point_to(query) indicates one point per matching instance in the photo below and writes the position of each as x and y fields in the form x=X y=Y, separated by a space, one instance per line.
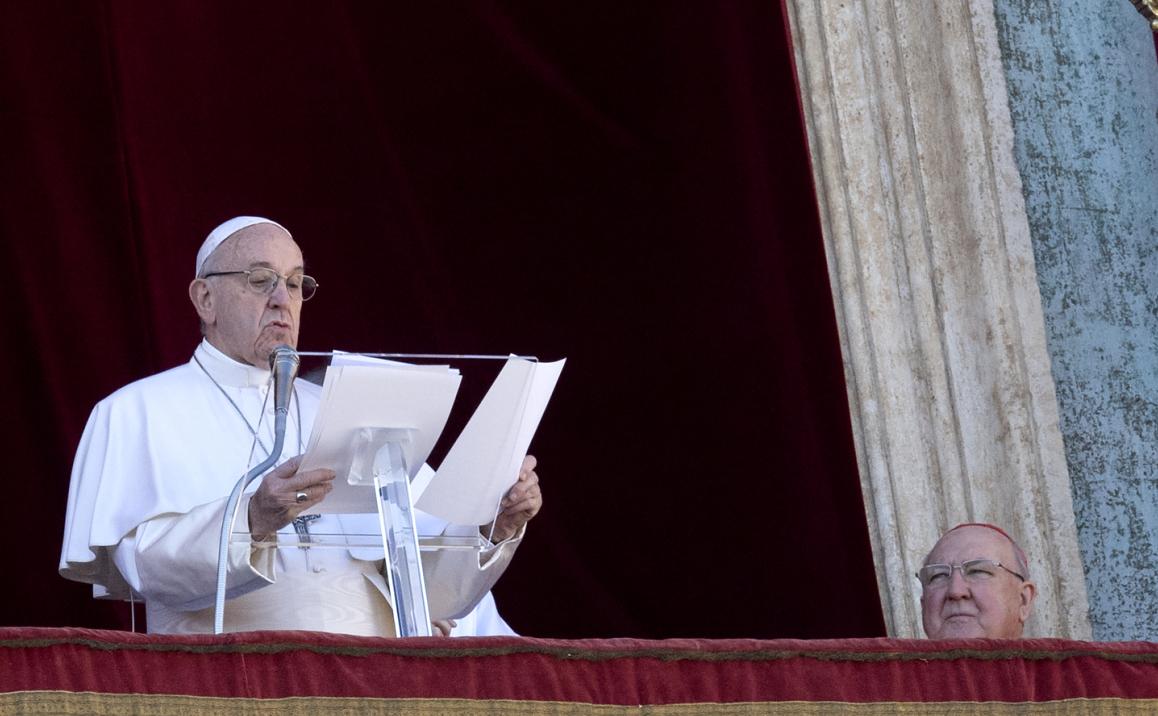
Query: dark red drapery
x=623 y=184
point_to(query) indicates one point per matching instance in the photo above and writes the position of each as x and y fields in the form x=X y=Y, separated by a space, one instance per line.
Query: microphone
x=284 y=362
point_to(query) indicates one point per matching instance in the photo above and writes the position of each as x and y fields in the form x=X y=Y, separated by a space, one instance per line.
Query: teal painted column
x=1083 y=92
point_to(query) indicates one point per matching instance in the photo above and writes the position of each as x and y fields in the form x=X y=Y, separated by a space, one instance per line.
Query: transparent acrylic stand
x=379 y=461
x=390 y=479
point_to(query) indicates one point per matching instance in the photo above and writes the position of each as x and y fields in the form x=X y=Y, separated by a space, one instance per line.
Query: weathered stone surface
x=1083 y=94
x=932 y=269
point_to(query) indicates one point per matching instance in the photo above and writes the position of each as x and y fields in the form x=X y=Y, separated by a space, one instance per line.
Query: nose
x=958 y=588
x=280 y=295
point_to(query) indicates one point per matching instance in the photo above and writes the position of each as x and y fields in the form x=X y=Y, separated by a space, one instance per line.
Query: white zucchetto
x=223 y=232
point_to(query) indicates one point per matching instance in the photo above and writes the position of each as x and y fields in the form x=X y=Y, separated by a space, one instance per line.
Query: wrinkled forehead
x=967 y=543
x=258 y=245
x=223 y=231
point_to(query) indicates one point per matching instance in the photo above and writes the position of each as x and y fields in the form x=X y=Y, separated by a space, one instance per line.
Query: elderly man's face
x=239 y=321
x=994 y=608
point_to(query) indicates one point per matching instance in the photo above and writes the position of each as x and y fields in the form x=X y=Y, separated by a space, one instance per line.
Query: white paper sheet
x=484 y=462
x=364 y=395
x=344 y=358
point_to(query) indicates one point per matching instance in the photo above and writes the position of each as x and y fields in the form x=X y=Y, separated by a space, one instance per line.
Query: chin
x=272 y=339
x=964 y=630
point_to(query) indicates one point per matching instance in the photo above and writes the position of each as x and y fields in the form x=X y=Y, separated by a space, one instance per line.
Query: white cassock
x=155 y=465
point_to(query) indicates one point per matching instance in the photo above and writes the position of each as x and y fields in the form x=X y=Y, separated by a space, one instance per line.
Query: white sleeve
x=458 y=580
x=172 y=559
x=484 y=620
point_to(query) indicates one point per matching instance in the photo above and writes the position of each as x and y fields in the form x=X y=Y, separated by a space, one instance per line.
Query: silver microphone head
x=283 y=362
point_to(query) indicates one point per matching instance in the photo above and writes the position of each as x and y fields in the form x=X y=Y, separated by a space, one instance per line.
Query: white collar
x=227 y=371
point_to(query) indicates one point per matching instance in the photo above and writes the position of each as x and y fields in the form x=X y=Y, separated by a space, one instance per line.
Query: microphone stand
x=282 y=389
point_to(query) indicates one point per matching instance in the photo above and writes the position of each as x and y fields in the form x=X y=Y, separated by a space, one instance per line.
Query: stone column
x=932 y=269
x=1083 y=93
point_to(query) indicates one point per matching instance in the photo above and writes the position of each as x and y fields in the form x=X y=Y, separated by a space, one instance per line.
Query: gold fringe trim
x=66 y=703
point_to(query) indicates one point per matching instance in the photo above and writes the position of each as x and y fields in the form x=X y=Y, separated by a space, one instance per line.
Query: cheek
x=238 y=326
x=296 y=322
x=994 y=606
x=930 y=607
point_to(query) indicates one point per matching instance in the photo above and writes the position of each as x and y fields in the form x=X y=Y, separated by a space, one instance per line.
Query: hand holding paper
x=521 y=504
x=485 y=461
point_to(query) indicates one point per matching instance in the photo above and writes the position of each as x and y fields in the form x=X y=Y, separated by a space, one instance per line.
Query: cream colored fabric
x=953 y=407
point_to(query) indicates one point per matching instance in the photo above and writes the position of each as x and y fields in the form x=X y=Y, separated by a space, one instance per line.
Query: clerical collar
x=226 y=371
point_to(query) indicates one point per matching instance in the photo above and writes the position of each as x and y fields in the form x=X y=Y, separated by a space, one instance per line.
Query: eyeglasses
x=265 y=281
x=975 y=571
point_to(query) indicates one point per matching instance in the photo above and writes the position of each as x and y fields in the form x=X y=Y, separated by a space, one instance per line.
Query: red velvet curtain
x=623 y=184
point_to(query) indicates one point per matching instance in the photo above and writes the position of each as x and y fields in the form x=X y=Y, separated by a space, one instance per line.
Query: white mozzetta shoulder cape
x=164 y=445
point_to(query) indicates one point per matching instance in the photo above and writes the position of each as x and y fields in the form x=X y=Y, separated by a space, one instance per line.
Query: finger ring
x=301 y=497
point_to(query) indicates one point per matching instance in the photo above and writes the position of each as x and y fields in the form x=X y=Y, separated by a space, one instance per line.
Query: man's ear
x=1028 y=593
x=202 y=299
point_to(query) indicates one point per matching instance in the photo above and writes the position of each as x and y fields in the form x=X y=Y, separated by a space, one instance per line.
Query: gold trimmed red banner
x=86 y=671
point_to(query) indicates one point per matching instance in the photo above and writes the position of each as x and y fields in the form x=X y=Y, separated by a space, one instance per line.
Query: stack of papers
x=483 y=463
x=358 y=394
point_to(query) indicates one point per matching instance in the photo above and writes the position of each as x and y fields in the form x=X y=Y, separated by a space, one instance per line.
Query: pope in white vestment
x=152 y=473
